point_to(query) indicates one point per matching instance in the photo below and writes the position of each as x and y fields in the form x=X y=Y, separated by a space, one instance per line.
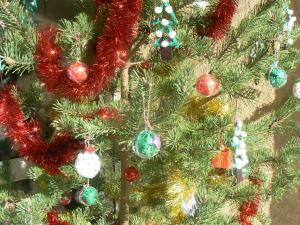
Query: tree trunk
x=125 y=158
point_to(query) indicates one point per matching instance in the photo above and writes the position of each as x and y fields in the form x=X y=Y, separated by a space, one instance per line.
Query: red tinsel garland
x=27 y=136
x=112 y=53
x=250 y=208
x=219 y=20
x=53 y=219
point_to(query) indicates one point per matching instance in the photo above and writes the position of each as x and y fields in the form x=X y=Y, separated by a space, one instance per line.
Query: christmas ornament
x=218 y=21
x=109 y=114
x=207 y=85
x=147 y=144
x=296 y=88
x=78 y=72
x=240 y=159
x=250 y=208
x=223 y=159
x=288 y=26
x=146 y=65
x=51 y=71
x=31 y=6
x=132 y=174
x=277 y=76
x=181 y=198
x=88 y=163
x=27 y=135
x=165 y=24
x=87 y=196
x=66 y=198
x=53 y=219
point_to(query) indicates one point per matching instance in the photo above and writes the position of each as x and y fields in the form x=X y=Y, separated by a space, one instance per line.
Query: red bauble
x=132 y=174
x=207 y=85
x=66 y=198
x=78 y=72
x=146 y=65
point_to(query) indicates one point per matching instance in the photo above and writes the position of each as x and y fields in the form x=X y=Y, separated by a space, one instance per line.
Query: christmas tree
x=134 y=112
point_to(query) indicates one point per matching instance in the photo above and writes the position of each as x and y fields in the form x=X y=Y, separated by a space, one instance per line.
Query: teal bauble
x=147 y=144
x=277 y=77
x=87 y=196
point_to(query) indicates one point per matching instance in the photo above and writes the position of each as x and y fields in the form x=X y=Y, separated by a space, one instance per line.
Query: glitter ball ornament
x=87 y=196
x=88 y=164
x=132 y=173
x=78 y=72
x=296 y=88
x=147 y=144
x=66 y=198
x=207 y=85
x=277 y=77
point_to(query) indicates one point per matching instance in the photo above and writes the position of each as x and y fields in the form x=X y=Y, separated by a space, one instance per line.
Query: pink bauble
x=207 y=85
x=78 y=72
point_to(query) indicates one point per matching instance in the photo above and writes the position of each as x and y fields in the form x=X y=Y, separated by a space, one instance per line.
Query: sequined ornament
x=147 y=144
x=88 y=163
x=66 y=198
x=207 y=85
x=223 y=159
x=277 y=77
x=131 y=173
x=296 y=88
x=78 y=72
x=87 y=196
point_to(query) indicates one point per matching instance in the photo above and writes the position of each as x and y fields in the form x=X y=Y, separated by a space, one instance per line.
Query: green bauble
x=147 y=144
x=277 y=77
x=89 y=195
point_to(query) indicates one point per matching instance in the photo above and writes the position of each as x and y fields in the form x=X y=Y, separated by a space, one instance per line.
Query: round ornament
x=87 y=195
x=66 y=198
x=146 y=65
x=277 y=77
x=132 y=174
x=147 y=144
x=296 y=88
x=88 y=164
x=207 y=85
x=78 y=72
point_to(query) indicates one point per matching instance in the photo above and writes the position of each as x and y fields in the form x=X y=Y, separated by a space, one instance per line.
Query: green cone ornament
x=147 y=144
x=277 y=76
x=87 y=196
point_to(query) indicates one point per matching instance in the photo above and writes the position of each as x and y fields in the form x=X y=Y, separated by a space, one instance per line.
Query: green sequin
x=145 y=145
x=89 y=195
x=277 y=77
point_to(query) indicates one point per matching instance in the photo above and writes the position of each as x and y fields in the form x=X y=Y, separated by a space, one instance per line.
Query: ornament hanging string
x=146 y=105
x=112 y=53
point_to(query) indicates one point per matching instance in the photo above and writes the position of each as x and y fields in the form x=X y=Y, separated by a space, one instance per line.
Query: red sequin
x=112 y=53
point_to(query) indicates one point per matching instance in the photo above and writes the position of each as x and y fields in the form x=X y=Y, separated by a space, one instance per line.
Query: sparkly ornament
x=207 y=85
x=296 y=88
x=66 y=198
x=31 y=6
x=88 y=164
x=132 y=173
x=87 y=196
x=223 y=159
x=146 y=65
x=277 y=77
x=147 y=144
x=78 y=72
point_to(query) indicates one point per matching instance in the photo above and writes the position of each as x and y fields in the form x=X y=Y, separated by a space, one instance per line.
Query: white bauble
x=88 y=164
x=296 y=89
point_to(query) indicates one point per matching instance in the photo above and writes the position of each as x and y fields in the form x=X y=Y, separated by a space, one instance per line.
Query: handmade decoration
x=240 y=159
x=218 y=22
x=112 y=53
x=27 y=135
x=223 y=159
x=296 y=88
